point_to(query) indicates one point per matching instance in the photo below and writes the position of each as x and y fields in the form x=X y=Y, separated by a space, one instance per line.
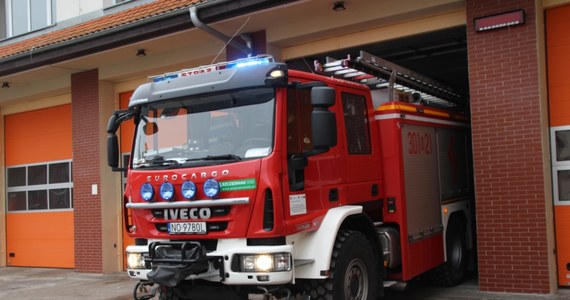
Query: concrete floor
x=43 y=283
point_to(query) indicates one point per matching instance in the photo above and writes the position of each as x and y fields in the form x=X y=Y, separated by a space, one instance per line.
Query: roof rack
x=379 y=73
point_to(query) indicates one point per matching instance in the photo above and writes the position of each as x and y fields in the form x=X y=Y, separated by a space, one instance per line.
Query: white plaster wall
x=67 y=9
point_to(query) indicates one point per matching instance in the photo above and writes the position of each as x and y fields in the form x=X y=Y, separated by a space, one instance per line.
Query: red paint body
x=351 y=175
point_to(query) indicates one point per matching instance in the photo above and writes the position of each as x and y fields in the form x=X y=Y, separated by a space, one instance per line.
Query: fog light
x=135 y=260
x=275 y=262
x=264 y=263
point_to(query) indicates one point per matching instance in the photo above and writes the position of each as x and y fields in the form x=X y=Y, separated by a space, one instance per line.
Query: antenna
x=230 y=39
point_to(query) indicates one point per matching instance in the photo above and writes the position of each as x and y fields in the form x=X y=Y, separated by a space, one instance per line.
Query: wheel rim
x=356 y=280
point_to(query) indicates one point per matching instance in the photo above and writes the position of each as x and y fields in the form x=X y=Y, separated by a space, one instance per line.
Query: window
x=111 y=3
x=560 y=155
x=563 y=185
x=356 y=124
x=46 y=186
x=299 y=108
x=24 y=16
x=562 y=140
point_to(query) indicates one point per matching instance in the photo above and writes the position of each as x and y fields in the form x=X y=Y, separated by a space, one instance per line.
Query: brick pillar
x=86 y=171
x=258 y=45
x=510 y=157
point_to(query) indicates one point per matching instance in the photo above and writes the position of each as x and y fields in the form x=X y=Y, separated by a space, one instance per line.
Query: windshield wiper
x=222 y=157
x=160 y=161
x=188 y=162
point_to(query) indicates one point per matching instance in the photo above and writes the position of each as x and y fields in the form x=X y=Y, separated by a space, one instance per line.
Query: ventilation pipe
x=226 y=39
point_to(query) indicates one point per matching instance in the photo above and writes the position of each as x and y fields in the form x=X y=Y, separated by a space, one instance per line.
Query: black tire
x=354 y=271
x=452 y=272
x=167 y=293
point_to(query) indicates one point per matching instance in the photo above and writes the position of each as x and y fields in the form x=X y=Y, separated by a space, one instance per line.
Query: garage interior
x=440 y=55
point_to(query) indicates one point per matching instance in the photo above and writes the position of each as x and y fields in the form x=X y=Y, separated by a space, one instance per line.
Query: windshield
x=205 y=130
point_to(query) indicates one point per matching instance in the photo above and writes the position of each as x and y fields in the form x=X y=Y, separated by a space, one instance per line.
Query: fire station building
x=66 y=65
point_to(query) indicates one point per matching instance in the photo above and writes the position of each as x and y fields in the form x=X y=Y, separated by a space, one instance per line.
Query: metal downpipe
x=226 y=39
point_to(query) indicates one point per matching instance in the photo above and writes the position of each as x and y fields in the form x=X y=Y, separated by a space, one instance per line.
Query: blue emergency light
x=240 y=63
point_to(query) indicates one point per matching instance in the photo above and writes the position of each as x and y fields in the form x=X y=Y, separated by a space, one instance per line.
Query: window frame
x=557 y=166
x=9 y=17
x=345 y=96
x=47 y=187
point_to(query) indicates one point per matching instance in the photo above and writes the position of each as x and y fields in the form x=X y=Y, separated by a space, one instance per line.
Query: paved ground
x=42 y=283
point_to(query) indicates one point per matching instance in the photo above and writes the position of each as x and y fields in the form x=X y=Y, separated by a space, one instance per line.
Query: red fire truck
x=246 y=177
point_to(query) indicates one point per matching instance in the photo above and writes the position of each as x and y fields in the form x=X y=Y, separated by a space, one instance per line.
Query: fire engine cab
x=246 y=177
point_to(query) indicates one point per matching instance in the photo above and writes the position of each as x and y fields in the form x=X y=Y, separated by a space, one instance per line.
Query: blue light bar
x=240 y=63
x=164 y=77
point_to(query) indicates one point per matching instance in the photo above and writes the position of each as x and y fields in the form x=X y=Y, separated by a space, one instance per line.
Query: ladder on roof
x=379 y=73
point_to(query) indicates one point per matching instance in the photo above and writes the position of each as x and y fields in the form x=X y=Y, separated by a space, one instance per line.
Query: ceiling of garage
x=440 y=55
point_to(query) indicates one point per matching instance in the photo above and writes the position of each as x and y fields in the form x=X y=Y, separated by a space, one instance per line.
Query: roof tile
x=120 y=18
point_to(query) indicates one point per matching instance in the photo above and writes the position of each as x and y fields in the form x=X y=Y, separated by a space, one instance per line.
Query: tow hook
x=144 y=290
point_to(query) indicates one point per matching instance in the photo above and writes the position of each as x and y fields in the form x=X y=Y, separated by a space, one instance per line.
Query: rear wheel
x=452 y=272
x=353 y=270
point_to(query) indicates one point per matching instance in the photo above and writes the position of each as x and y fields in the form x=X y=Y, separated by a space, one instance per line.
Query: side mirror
x=150 y=128
x=323 y=120
x=112 y=151
x=112 y=141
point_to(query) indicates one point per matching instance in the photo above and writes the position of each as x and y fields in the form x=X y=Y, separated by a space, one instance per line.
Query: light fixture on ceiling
x=339 y=6
x=141 y=52
x=5 y=85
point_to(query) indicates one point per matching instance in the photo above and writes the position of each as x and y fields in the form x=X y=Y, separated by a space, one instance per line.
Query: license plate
x=187 y=227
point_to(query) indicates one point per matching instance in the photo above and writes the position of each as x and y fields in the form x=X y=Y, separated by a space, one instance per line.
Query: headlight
x=188 y=189
x=147 y=192
x=135 y=260
x=275 y=262
x=167 y=191
x=211 y=188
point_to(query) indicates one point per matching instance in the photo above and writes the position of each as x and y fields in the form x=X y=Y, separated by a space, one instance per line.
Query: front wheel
x=168 y=293
x=353 y=270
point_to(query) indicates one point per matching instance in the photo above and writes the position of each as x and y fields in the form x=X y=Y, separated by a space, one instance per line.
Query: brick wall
x=508 y=157
x=86 y=171
x=258 y=45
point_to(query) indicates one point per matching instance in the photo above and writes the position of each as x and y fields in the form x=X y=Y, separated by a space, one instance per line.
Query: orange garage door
x=39 y=188
x=558 y=48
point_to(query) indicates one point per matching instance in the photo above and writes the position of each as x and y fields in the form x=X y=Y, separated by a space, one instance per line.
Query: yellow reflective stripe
x=410 y=108
x=395 y=106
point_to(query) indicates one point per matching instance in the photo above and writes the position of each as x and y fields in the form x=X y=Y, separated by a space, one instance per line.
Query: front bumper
x=215 y=266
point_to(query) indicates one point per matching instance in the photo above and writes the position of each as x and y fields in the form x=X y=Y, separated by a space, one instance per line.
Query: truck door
x=317 y=185
x=362 y=160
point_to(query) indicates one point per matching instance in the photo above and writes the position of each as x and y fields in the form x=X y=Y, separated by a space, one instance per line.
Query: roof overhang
x=149 y=28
